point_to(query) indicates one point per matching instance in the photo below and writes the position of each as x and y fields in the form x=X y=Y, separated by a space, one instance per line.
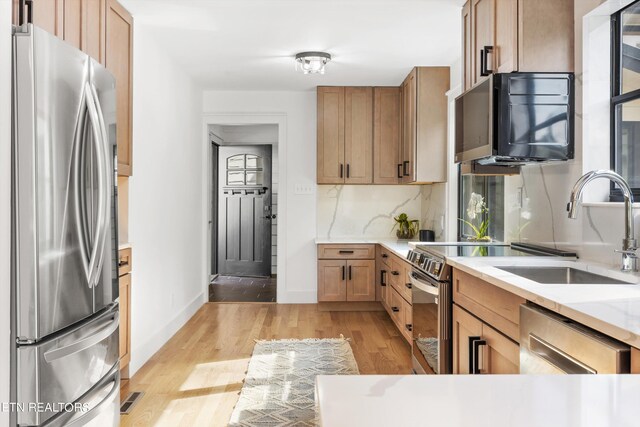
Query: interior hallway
x=194 y=380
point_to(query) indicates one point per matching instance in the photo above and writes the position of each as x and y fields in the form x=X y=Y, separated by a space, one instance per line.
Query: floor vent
x=130 y=402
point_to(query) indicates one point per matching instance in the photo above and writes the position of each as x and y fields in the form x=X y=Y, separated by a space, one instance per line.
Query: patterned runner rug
x=279 y=389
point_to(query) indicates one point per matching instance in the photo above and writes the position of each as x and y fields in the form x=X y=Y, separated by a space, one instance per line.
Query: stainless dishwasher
x=553 y=344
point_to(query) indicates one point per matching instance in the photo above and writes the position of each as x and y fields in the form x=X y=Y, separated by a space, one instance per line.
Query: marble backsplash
x=367 y=211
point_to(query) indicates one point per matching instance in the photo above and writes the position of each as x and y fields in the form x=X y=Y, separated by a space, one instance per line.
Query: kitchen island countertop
x=479 y=400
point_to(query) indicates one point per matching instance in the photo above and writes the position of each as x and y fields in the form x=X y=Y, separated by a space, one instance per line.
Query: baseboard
x=297 y=297
x=143 y=352
x=350 y=306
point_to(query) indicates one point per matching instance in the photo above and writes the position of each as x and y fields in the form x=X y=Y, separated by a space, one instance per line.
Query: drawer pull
x=345 y=252
x=122 y=262
x=395 y=309
x=383 y=277
x=409 y=327
x=395 y=273
x=408 y=285
x=385 y=256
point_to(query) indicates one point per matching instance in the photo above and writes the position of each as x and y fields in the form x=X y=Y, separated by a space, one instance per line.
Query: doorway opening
x=244 y=194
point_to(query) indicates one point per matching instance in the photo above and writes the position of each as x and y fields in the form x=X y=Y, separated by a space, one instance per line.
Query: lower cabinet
x=346 y=280
x=480 y=349
x=393 y=290
x=125 y=320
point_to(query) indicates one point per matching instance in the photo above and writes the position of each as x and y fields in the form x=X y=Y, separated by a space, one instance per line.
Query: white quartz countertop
x=400 y=248
x=479 y=400
x=611 y=309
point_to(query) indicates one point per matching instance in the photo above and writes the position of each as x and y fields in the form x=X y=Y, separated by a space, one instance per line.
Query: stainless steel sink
x=563 y=275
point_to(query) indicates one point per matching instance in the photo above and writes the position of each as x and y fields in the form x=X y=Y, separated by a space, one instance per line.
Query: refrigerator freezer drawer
x=66 y=367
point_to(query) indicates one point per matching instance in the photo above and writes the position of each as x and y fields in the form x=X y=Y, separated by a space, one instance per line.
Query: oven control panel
x=427 y=263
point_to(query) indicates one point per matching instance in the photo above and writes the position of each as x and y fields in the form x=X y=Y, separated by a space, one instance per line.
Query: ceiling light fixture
x=312 y=62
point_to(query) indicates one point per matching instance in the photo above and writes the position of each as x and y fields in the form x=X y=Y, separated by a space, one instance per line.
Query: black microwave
x=516 y=118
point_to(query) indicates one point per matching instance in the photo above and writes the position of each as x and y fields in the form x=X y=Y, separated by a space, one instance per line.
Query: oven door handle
x=422 y=285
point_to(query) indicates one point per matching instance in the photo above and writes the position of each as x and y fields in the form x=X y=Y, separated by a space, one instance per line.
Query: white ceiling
x=250 y=44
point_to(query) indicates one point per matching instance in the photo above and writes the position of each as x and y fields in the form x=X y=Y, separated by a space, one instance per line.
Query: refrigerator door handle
x=85 y=342
x=78 y=191
x=85 y=418
x=97 y=124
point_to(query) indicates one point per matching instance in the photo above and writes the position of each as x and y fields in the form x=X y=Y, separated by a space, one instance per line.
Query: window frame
x=615 y=194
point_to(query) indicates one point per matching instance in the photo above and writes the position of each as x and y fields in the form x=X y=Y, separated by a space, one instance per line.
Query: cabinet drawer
x=407 y=321
x=495 y=306
x=385 y=257
x=124 y=261
x=396 y=306
x=398 y=278
x=346 y=251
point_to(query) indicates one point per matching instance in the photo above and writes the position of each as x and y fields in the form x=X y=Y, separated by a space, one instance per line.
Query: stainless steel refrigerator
x=64 y=280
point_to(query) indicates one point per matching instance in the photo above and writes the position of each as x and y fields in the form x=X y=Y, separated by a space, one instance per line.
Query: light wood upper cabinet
x=94 y=22
x=482 y=30
x=358 y=135
x=521 y=35
x=424 y=125
x=119 y=60
x=387 y=117
x=330 y=143
x=72 y=29
x=409 y=106
x=467 y=76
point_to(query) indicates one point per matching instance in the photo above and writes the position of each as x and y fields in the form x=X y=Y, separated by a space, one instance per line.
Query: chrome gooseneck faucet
x=629 y=244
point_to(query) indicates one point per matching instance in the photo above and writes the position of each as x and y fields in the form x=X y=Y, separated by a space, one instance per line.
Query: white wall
x=165 y=211
x=297 y=165
x=5 y=201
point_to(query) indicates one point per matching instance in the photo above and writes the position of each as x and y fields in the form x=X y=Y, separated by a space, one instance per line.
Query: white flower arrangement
x=476 y=208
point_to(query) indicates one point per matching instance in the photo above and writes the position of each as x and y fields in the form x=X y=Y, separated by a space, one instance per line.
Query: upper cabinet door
x=387 y=106
x=358 y=134
x=409 y=106
x=482 y=29
x=467 y=66
x=119 y=49
x=94 y=29
x=505 y=57
x=330 y=144
x=72 y=32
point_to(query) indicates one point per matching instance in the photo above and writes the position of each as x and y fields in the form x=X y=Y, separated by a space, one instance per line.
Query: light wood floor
x=194 y=380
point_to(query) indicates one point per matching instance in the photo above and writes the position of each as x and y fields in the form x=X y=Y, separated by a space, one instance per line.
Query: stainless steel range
x=431 y=290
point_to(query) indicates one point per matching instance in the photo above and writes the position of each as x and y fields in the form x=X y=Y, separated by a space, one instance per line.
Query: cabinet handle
x=344 y=251
x=408 y=285
x=29 y=5
x=385 y=256
x=341 y=170
x=399 y=170
x=349 y=272
x=395 y=273
x=477 y=368
x=395 y=309
x=471 y=354
x=383 y=277
x=405 y=168
x=343 y=273
x=409 y=327
x=484 y=60
x=348 y=170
